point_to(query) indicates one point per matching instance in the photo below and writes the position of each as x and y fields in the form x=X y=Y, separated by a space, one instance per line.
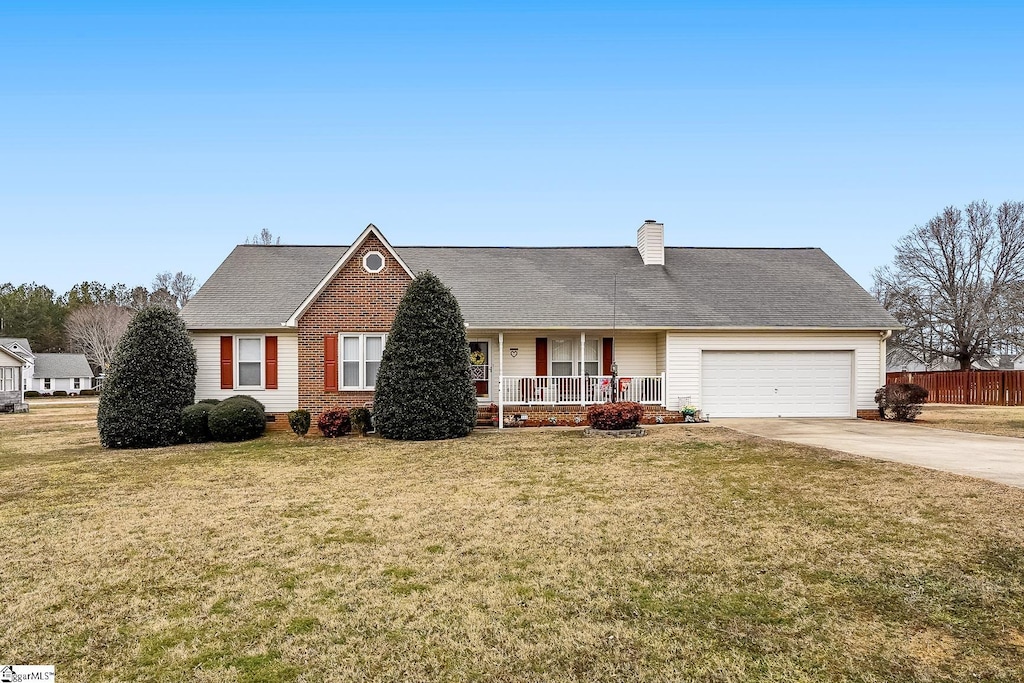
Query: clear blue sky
x=136 y=138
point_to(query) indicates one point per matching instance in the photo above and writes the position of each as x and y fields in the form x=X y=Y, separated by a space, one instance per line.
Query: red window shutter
x=227 y=363
x=331 y=362
x=270 y=351
x=606 y=356
x=542 y=356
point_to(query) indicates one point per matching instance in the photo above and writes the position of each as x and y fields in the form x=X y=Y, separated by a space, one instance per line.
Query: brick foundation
x=566 y=416
x=280 y=422
x=868 y=414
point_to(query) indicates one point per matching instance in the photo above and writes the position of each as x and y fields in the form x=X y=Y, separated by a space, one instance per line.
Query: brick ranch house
x=734 y=332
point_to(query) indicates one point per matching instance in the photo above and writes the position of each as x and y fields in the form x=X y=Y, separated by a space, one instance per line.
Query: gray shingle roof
x=259 y=286
x=62 y=365
x=590 y=287
x=20 y=341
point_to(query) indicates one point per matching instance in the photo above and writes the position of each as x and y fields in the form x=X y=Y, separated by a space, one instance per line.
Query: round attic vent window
x=373 y=262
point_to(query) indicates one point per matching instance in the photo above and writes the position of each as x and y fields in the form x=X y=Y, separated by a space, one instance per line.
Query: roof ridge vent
x=650 y=242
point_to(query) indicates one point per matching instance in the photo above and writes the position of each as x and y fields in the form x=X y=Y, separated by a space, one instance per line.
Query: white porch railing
x=582 y=390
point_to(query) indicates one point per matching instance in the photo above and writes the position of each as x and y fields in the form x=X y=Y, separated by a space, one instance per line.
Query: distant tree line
x=89 y=318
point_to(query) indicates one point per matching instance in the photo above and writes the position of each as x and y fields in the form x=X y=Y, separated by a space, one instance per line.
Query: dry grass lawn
x=694 y=554
x=998 y=420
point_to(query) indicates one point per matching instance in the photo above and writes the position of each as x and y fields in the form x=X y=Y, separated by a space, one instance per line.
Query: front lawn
x=693 y=554
x=998 y=420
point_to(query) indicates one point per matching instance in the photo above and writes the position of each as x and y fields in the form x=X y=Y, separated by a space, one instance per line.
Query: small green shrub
x=623 y=415
x=239 y=418
x=299 y=420
x=361 y=420
x=60 y=394
x=210 y=401
x=334 y=423
x=195 y=423
x=32 y=394
x=903 y=400
x=88 y=392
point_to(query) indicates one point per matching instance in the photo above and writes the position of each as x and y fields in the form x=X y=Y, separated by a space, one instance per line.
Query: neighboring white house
x=734 y=332
x=12 y=367
x=21 y=347
x=68 y=372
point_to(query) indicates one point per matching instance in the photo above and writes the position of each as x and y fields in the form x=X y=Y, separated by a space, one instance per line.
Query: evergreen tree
x=424 y=389
x=151 y=379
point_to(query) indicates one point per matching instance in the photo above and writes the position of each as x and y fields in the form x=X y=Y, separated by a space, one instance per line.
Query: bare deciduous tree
x=265 y=237
x=183 y=287
x=95 y=330
x=957 y=283
x=174 y=289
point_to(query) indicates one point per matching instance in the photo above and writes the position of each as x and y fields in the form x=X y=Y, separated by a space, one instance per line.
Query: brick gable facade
x=354 y=301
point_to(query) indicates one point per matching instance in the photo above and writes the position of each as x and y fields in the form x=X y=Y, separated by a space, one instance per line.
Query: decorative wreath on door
x=477 y=358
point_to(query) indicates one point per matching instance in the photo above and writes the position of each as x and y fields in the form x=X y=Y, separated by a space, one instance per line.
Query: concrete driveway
x=997 y=458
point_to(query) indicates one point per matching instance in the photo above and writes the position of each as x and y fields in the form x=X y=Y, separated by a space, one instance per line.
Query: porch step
x=484 y=417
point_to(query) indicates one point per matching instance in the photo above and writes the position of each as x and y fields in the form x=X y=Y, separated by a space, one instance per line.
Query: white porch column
x=501 y=380
x=583 y=364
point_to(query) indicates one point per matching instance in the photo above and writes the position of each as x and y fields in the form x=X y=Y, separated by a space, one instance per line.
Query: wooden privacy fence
x=968 y=387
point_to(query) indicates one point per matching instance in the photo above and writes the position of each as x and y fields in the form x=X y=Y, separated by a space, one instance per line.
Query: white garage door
x=777 y=383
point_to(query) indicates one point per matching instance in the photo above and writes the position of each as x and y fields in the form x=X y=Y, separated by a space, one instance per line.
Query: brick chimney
x=650 y=242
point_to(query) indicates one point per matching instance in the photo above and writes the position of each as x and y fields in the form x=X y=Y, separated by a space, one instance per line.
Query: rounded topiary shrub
x=902 y=402
x=612 y=416
x=195 y=423
x=334 y=423
x=250 y=399
x=424 y=388
x=238 y=418
x=151 y=379
x=209 y=401
x=299 y=420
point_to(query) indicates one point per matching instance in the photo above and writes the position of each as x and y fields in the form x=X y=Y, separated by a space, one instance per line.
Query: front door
x=480 y=367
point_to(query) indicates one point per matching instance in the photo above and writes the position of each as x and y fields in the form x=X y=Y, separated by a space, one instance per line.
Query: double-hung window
x=565 y=357
x=8 y=379
x=250 y=362
x=562 y=357
x=78 y=382
x=360 y=360
x=46 y=383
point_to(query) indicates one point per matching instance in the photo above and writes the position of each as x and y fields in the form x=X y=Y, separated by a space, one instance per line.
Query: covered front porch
x=518 y=368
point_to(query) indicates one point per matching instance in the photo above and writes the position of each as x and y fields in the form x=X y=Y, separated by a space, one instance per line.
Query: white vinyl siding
x=280 y=400
x=360 y=360
x=683 y=353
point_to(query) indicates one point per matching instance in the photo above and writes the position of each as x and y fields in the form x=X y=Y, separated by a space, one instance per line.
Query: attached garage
x=777 y=383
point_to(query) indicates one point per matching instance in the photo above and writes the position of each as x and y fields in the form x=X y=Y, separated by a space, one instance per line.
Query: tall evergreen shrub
x=151 y=379
x=424 y=389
